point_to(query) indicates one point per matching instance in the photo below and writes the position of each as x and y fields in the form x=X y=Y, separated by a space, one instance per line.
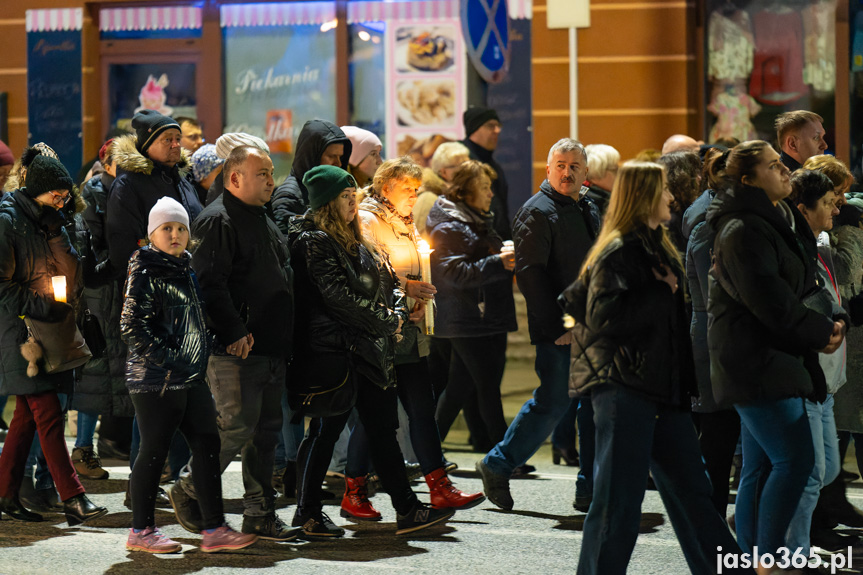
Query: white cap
x=227 y=142
x=167 y=210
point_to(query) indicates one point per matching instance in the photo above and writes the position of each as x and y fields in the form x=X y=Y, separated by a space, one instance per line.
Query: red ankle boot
x=355 y=503
x=445 y=495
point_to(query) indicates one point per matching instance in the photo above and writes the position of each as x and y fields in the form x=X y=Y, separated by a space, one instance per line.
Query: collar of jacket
x=372 y=205
x=49 y=220
x=129 y=159
x=790 y=162
x=232 y=200
x=563 y=199
x=483 y=155
x=462 y=212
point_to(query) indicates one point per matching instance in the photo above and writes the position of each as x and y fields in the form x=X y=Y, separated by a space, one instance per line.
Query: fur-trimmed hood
x=433 y=183
x=128 y=158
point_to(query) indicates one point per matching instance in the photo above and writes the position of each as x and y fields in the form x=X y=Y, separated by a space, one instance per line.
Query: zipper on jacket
x=165 y=385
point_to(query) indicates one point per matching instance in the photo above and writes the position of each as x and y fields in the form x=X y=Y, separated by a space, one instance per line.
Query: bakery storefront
x=399 y=69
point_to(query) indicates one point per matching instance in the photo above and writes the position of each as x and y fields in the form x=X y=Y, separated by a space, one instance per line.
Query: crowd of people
x=685 y=307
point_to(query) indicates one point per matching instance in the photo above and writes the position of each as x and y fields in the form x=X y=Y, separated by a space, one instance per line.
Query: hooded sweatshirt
x=292 y=198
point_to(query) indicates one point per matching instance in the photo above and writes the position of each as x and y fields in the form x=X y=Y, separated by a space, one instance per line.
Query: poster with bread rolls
x=426 y=87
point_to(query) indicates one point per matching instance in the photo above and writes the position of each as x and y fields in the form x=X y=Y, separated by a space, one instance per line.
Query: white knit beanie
x=167 y=210
x=227 y=142
x=362 y=143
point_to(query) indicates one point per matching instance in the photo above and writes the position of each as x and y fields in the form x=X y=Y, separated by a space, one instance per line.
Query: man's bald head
x=680 y=143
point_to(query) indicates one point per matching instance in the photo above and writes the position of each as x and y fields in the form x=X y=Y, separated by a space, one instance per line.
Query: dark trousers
x=586 y=447
x=719 y=432
x=414 y=389
x=37 y=413
x=477 y=364
x=376 y=408
x=192 y=412
x=563 y=435
x=633 y=436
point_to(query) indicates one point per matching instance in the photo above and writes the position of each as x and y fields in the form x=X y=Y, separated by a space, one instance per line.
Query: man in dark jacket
x=800 y=134
x=553 y=232
x=482 y=128
x=243 y=265
x=319 y=143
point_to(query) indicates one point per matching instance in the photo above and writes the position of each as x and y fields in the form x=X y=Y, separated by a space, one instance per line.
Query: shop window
x=367 y=76
x=764 y=58
x=168 y=88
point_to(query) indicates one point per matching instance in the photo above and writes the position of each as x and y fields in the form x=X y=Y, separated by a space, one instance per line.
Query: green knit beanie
x=325 y=183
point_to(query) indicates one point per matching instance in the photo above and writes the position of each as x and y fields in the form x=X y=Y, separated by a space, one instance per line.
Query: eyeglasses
x=64 y=199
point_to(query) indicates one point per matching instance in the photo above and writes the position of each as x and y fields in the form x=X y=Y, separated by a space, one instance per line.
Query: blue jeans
x=825 y=441
x=289 y=439
x=635 y=435
x=778 y=457
x=586 y=448
x=86 y=429
x=539 y=415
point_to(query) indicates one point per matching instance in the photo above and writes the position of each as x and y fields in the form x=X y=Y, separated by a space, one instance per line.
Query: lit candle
x=59 y=284
x=424 y=252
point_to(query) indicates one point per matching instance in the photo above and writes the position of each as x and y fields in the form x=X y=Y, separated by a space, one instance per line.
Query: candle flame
x=423 y=247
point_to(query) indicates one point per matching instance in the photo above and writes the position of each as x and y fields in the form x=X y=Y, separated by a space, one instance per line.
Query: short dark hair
x=187 y=120
x=789 y=122
x=237 y=158
x=809 y=186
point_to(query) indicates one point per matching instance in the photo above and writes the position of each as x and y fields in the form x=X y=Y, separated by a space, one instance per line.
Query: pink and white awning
x=424 y=9
x=165 y=18
x=54 y=20
x=520 y=9
x=277 y=14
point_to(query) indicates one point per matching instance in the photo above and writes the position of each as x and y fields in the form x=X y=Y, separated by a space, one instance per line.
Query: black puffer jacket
x=759 y=330
x=500 y=188
x=34 y=246
x=140 y=183
x=244 y=267
x=292 y=198
x=552 y=234
x=345 y=302
x=630 y=329
x=95 y=194
x=163 y=323
x=474 y=289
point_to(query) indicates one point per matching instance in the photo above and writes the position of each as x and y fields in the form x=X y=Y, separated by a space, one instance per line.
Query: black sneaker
x=413 y=470
x=496 y=486
x=420 y=517
x=269 y=527
x=317 y=525
x=186 y=509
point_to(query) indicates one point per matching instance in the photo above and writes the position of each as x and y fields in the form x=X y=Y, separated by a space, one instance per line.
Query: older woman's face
x=448 y=171
x=402 y=194
x=481 y=195
x=346 y=204
x=772 y=176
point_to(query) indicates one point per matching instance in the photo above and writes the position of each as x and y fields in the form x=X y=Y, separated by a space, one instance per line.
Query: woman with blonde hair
x=631 y=349
x=437 y=179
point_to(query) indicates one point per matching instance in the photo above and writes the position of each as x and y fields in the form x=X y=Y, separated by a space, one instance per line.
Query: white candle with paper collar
x=424 y=251
x=59 y=285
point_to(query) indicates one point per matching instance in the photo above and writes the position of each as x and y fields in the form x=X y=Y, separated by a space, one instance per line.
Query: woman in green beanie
x=348 y=301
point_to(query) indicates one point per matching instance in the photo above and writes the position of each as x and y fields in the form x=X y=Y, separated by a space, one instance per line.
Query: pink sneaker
x=151 y=540
x=225 y=539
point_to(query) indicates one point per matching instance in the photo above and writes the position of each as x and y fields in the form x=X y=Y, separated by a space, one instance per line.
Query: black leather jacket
x=163 y=323
x=630 y=329
x=344 y=301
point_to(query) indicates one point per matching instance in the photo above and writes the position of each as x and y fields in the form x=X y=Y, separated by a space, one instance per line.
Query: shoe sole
x=349 y=515
x=470 y=505
x=73 y=521
x=424 y=525
x=226 y=548
x=282 y=539
x=190 y=528
x=153 y=551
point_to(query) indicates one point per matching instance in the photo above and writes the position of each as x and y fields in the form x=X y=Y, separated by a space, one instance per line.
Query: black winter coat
x=140 y=183
x=474 y=295
x=163 y=323
x=345 y=302
x=244 y=268
x=291 y=198
x=552 y=234
x=630 y=328
x=499 y=186
x=699 y=248
x=759 y=330
x=34 y=246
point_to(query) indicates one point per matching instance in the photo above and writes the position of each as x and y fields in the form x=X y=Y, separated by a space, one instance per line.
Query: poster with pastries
x=426 y=87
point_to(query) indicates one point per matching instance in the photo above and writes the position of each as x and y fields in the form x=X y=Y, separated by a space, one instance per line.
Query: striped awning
x=54 y=19
x=416 y=10
x=165 y=18
x=277 y=14
x=520 y=9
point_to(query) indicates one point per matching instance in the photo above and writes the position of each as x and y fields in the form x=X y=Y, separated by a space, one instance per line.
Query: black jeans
x=415 y=391
x=718 y=435
x=193 y=412
x=377 y=411
x=476 y=363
